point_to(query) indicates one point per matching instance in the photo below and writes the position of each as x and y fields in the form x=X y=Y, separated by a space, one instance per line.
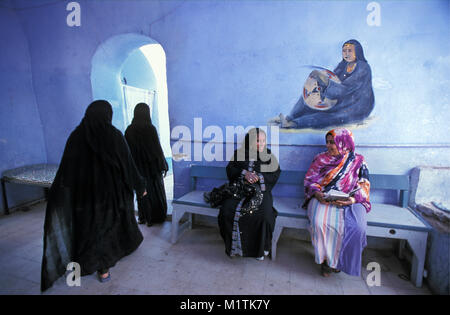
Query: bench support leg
x=401 y=248
x=176 y=217
x=5 y=200
x=191 y=220
x=419 y=247
x=275 y=236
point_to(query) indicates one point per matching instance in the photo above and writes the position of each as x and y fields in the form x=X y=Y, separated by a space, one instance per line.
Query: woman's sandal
x=104 y=279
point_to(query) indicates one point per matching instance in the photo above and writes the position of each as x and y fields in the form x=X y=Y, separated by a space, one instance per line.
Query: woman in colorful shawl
x=338 y=228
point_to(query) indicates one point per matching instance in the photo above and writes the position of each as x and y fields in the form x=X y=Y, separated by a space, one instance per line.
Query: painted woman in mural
x=334 y=99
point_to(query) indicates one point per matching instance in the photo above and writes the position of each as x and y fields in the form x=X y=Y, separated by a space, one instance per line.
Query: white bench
x=384 y=220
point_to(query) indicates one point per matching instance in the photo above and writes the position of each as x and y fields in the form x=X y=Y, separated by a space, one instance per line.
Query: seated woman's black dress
x=249 y=235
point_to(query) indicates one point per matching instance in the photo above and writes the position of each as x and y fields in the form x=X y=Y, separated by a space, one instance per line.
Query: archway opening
x=128 y=69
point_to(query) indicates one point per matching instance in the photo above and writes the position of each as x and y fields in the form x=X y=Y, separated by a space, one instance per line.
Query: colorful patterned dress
x=338 y=233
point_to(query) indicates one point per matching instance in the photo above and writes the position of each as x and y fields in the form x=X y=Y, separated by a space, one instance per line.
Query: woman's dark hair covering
x=247 y=152
x=142 y=114
x=98 y=130
x=359 y=53
x=100 y=110
x=143 y=140
x=250 y=137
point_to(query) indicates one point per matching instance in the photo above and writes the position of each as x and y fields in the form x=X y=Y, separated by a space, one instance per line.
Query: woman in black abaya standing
x=89 y=217
x=249 y=234
x=145 y=147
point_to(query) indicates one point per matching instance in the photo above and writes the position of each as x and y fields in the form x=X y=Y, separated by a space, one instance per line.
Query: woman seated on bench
x=249 y=233
x=338 y=228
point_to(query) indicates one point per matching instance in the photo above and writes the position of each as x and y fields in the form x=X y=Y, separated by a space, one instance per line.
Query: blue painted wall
x=45 y=79
x=242 y=62
x=61 y=56
x=21 y=137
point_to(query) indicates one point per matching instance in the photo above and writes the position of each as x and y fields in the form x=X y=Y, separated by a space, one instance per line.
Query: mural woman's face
x=331 y=146
x=348 y=53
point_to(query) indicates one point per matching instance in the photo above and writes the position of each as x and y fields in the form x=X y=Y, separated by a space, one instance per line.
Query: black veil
x=144 y=143
x=90 y=213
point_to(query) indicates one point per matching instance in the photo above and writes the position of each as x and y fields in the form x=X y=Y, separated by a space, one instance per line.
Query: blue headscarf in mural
x=359 y=53
x=354 y=96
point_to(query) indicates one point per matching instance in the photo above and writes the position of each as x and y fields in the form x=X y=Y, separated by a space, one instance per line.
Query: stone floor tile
x=382 y=290
x=352 y=287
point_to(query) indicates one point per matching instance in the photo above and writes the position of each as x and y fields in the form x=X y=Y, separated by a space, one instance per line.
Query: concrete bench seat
x=384 y=220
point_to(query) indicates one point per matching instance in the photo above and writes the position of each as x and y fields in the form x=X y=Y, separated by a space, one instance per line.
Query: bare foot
x=275 y=120
x=284 y=123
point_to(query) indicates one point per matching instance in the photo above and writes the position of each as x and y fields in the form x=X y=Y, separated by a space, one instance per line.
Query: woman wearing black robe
x=90 y=214
x=250 y=235
x=145 y=147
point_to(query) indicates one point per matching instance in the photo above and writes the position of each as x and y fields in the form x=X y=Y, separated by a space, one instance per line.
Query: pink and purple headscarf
x=343 y=172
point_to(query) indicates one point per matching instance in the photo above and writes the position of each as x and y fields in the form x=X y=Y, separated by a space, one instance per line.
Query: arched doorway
x=128 y=69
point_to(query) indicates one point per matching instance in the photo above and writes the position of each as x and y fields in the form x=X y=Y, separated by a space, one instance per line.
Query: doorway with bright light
x=126 y=70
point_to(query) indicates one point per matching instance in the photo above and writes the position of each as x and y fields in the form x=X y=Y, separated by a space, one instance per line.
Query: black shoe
x=141 y=221
x=325 y=270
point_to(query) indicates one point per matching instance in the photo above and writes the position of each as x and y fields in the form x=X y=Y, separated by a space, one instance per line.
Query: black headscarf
x=103 y=139
x=248 y=151
x=89 y=217
x=143 y=140
x=96 y=127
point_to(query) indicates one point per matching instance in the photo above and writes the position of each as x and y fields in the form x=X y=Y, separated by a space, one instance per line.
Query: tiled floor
x=197 y=264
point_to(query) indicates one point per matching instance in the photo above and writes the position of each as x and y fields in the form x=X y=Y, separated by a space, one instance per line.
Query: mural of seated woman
x=353 y=95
